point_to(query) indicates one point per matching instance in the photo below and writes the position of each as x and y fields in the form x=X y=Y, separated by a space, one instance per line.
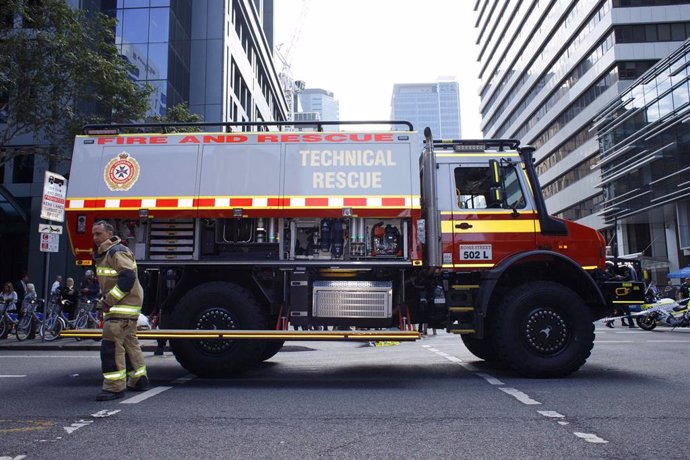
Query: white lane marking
x=434 y=350
x=629 y=332
x=613 y=341
x=145 y=395
x=426 y=346
x=12 y=376
x=95 y=356
x=589 y=437
x=18 y=457
x=551 y=414
x=76 y=425
x=105 y=413
x=564 y=423
x=184 y=379
x=519 y=395
x=668 y=341
x=490 y=379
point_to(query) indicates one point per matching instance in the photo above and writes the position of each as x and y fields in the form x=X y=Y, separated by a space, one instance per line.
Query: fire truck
x=252 y=235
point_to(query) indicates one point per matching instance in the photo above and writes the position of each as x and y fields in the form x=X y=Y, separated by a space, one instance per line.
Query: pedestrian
x=121 y=358
x=68 y=298
x=684 y=289
x=670 y=290
x=30 y=296
x=89 y=286
x=57 y=284
x=9 y=297
x=21 y=287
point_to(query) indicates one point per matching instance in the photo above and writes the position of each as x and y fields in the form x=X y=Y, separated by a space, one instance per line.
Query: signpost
x=53 y=210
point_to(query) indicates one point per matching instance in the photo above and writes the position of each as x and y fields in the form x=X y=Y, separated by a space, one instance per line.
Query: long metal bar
x=234 y=334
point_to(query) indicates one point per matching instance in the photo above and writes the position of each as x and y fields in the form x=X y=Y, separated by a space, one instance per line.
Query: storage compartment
x=352 y=299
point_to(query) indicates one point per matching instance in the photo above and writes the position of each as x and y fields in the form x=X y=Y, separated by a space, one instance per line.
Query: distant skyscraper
x=547 y=68
x=436 y=105
x=320 y=101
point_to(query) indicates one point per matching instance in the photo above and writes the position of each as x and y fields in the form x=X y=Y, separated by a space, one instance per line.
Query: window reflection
x=158 y=61
x=135 y=24
x=159 y=25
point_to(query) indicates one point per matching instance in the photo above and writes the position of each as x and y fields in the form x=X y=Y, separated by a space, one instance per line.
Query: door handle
x=463 y=226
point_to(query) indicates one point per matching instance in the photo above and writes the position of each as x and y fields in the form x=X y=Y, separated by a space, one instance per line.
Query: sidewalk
x=11 y=343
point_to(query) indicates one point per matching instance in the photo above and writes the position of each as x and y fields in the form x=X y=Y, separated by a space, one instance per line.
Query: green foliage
x=60 y=69
x=178 y=113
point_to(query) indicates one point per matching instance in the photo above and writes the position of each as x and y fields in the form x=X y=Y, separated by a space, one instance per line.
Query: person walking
x=89 y=288
x=57 y=284
x=68 y=298
x=21 y=288
x=684 y=289
x=121 y=358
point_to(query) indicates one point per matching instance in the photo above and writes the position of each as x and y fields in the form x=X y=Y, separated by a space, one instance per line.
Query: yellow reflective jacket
x=116 y=270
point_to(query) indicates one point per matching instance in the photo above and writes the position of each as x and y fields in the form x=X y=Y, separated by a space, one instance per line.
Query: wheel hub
x=546 y=331
x=215 y=318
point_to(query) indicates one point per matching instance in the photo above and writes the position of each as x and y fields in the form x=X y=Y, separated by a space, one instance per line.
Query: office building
x=433 y=105
x=644 y=139
x=547 y=68
x=320 y=101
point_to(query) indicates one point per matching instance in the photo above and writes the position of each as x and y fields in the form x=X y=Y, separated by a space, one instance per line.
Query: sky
x=359 y=48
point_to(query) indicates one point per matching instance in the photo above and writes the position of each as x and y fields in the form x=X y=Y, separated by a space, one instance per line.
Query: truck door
x=488 y=226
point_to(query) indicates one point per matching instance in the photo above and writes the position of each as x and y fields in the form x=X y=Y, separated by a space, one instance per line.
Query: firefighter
x=121 y=357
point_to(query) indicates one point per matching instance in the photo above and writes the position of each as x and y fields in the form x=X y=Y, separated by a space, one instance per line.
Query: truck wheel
x=543 y=329
x=271 y=348
x=481 y=348
x=218 y=305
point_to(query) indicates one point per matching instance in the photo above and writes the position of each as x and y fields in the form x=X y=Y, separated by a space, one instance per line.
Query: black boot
x=141 y=385
x=109 y=395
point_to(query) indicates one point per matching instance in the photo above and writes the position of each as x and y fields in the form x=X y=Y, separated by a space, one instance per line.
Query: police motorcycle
x=663 y=312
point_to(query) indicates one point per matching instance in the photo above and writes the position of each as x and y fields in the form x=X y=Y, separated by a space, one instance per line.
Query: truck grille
x=353 y=299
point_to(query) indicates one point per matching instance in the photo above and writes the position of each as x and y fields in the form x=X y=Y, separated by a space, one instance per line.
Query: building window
x=23 y=169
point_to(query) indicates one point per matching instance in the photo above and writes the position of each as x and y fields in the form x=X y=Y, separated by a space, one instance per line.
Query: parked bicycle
x=86 y=317
x=8 y=320
x=30 y=320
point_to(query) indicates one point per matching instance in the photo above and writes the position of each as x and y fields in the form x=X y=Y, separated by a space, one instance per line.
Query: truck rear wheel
x=543 y=329
x=271 y=348
x=481 y=348
x=218 y=305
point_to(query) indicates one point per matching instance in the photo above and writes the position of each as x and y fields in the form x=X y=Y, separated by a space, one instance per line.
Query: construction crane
x=291 y=87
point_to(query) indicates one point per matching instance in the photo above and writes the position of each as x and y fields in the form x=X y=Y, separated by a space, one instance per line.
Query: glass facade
x=153 y=35
x=436 y=105
x=644 y=141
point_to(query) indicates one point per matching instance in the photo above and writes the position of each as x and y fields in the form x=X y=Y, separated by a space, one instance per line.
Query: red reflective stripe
x=205 y=202
x=350 y=202
x=124 y=203
x=316 y=202
x=166 y=203
x=393 y=201
x=241 y=202
x=275 y=202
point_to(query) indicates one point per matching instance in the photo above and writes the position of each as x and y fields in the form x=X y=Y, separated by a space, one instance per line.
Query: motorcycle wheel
x=646 y=322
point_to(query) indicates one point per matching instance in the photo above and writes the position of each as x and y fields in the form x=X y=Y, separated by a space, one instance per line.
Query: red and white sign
x=54 y=193
x=49 y=242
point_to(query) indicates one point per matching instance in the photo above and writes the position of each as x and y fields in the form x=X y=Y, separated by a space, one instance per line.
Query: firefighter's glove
x=103 y=306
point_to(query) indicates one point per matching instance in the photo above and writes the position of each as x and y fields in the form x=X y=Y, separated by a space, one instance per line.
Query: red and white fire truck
x=252 y=235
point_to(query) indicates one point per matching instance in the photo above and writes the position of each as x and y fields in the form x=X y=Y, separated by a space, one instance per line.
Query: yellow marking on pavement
x=19 y=426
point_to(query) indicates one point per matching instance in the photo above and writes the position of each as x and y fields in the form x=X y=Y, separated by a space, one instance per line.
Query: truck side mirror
x=495 y=172
x=496 y=197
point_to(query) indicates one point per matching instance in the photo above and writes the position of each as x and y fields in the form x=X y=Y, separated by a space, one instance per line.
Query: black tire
x=25 y=328
x=4 y=327
x=51 y=328
x=543 y=329
x=646 y=322
x=481 y=348
x=218 y=305
x=271 y=347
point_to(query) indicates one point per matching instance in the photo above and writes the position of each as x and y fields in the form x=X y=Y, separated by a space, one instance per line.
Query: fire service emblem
x=121 y=172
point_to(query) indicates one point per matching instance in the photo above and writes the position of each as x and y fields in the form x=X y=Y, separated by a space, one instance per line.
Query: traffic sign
x=54 y=194
x=47 y=228
x=49 y=242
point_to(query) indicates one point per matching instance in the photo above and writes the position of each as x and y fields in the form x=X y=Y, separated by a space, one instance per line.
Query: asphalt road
x=428 y=399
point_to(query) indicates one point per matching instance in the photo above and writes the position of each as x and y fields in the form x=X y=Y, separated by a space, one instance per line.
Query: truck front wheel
x=218 y=305
x=543 y=329
x=481 y=348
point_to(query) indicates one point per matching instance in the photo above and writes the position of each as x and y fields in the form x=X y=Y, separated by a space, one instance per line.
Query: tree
x=60 y=69
x=179 y=113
